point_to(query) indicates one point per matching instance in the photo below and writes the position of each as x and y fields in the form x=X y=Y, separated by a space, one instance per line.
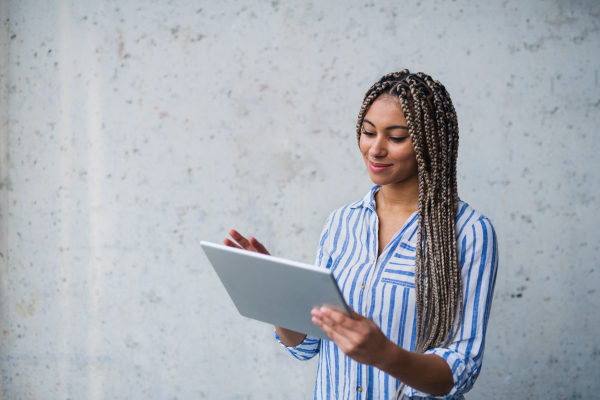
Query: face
x=386 y=145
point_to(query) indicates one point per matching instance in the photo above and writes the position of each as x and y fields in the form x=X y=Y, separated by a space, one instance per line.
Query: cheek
x=407 y=160
x=409 y=153
x=412 y=160
x=412 y=156
x=364 y=147
x=406 y=154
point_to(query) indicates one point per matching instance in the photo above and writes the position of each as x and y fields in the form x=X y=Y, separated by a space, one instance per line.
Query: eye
x=398 y=139
x=365 y=132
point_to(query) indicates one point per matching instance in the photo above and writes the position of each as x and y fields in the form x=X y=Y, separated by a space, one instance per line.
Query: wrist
x=391 y=354
x=290 y=338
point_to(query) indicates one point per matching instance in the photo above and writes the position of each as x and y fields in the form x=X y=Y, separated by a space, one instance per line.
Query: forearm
x=427 y=373
x=290 y=338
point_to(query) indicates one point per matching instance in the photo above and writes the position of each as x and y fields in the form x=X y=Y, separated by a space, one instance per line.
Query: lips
x=378 y=167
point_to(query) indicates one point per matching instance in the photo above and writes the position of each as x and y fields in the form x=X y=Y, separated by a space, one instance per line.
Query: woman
x=417 y=264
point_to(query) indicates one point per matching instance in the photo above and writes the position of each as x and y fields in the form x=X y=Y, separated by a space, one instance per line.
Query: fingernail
x=323 y=310
x=315 y=321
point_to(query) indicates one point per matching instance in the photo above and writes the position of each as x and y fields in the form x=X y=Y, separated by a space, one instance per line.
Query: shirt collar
x=368 y=201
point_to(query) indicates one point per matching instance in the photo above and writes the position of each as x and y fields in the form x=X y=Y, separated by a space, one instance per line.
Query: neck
x=400 y=196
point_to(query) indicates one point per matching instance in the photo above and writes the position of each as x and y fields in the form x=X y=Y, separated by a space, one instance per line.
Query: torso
x=382 y=288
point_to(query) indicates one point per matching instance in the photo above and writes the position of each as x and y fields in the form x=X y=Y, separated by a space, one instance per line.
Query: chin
x=378 y=180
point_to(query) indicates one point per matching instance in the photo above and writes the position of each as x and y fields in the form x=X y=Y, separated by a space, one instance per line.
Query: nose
x=378 y=149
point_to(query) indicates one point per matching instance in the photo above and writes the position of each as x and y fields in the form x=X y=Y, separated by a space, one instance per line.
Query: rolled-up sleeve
x=305 y=350
x=311 y=344
x=478 y=255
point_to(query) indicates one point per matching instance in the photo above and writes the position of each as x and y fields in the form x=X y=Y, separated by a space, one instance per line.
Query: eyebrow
x=388 y=128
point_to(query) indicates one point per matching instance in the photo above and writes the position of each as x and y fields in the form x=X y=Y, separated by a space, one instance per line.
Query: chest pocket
x=400 y=269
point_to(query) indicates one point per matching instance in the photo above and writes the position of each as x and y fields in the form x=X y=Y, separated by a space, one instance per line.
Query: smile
x=377 y=167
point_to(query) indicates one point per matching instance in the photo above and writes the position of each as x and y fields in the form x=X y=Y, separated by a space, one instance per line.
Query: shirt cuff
x=305 y=350
x=463 y=374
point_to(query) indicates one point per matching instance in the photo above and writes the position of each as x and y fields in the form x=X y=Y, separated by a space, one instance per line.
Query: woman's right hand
x=288 y=337
x=246 y=244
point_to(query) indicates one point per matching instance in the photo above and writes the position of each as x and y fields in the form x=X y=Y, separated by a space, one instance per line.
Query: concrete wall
x=130 y=130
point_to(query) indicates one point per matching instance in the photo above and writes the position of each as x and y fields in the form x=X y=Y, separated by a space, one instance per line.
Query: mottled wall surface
x=130 y=130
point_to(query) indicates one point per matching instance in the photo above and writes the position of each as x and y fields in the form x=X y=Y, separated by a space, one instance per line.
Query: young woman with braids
x=415 y=263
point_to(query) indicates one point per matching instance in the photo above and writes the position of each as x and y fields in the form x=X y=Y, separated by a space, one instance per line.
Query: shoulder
x=476 y=239
x=470 y=221
x=343 y=215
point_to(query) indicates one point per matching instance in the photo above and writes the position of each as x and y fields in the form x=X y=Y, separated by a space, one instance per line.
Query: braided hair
x=433 y=128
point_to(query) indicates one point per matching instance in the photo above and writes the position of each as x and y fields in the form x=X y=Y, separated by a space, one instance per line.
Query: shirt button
x=362 y=287
x=359 y=389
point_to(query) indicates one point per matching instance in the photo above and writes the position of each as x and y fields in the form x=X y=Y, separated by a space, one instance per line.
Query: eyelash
x=394 y=139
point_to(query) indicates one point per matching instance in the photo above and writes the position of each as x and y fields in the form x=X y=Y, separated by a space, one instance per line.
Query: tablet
x=275 y=290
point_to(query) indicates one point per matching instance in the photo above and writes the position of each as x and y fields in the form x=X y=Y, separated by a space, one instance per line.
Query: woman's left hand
x=362 y=340
x=358 y=337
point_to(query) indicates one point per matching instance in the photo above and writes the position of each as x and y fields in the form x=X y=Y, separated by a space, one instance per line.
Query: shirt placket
x=369 y=276
x=361 y=389
x=367 y=283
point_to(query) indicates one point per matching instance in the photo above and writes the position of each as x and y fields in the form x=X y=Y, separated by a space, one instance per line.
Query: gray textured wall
x=130 y=130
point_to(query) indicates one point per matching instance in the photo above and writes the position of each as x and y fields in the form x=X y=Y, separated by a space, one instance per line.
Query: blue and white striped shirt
x=382 y=288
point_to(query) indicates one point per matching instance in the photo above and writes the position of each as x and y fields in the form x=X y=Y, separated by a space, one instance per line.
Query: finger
x=323 y=315
x=337 y=336
x=351 y=330
x=242 y=241
x=229 y=243
x=338 y=317
x=325 y=326
x=320 y=318
x=340 y=330
x=353 y=314
x=258 y=246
